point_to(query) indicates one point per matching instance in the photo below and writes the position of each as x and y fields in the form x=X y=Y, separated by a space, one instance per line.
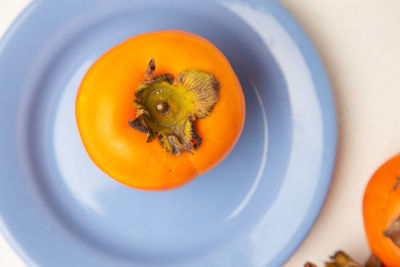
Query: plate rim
x=313 y=61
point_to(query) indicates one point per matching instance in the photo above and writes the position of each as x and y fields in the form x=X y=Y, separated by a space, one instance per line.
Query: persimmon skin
x=104 y=107
x=381 y=206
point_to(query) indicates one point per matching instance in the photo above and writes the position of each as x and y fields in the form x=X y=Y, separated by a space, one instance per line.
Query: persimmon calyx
x=341 y=259
x=393 y=232
x=373 y=261
x=167 y=108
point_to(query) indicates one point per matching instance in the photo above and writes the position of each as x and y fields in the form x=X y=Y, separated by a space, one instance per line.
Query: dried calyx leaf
x=167 y=108
x=393 y=232
x=373 y=261
x=341 y=259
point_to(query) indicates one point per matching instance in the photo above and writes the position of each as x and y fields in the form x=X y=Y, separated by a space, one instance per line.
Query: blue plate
x=254 y=209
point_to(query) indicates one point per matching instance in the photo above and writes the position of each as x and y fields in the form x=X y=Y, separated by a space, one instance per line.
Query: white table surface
x=359 y=43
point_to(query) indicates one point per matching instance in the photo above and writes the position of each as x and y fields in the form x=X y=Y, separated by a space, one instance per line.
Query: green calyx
x=167 y=108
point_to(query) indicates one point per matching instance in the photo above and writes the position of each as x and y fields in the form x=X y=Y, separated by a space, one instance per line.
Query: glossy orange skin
x=104 y=107
x=381 y=206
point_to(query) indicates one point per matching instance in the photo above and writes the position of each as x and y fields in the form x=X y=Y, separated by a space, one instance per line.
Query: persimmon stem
x=162 y=107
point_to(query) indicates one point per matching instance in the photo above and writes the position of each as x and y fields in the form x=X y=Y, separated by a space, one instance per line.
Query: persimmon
x=381 y=210
x=160 y=109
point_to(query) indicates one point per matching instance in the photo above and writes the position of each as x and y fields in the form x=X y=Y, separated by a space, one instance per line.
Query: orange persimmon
x=381 y=208
x=108 y=102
